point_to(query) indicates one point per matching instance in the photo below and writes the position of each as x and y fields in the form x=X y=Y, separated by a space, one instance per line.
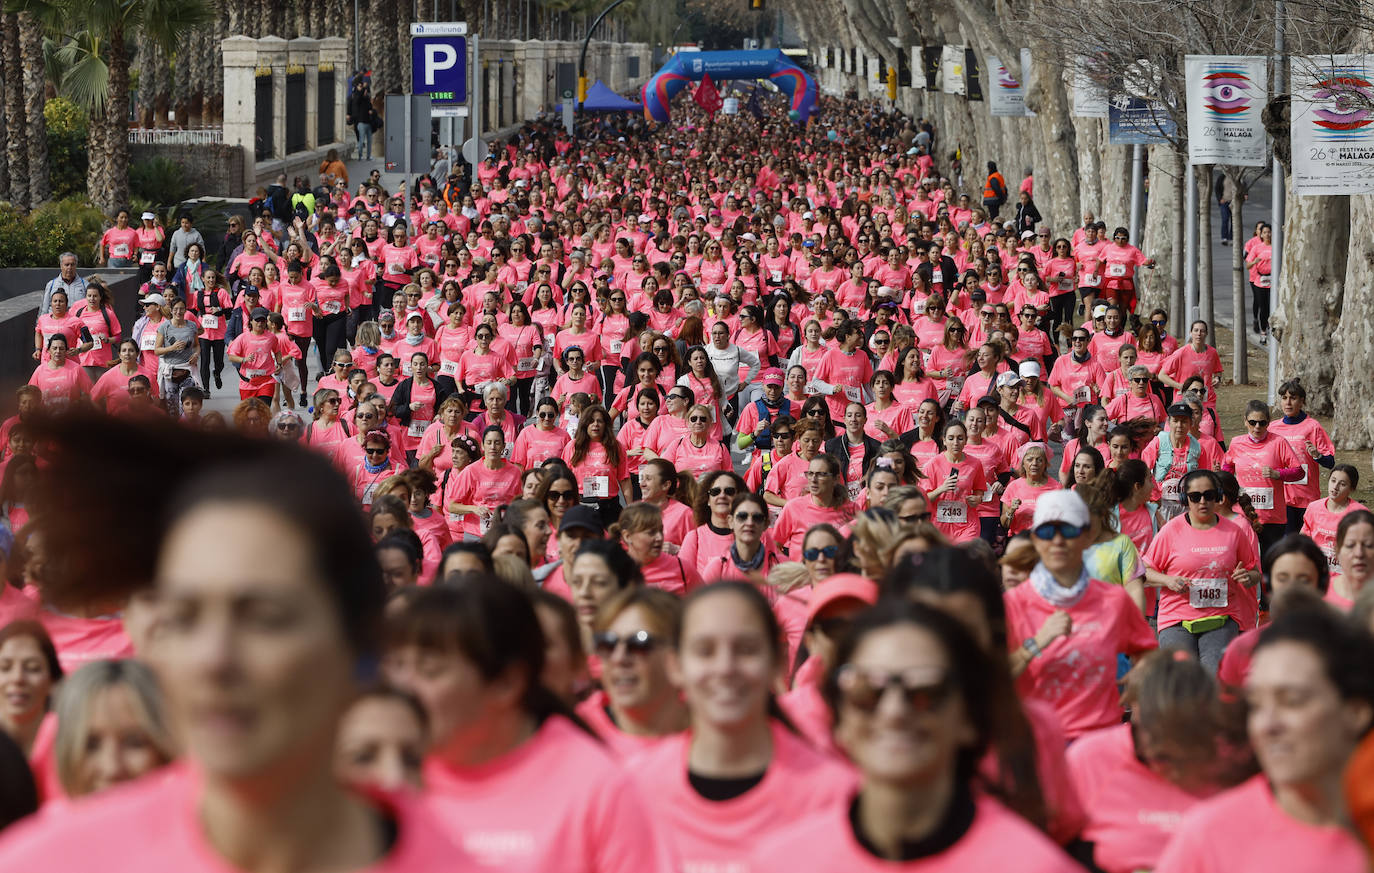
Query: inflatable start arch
x=770 y=64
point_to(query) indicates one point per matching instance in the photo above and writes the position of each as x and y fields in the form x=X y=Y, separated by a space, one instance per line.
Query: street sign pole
x=477 y=96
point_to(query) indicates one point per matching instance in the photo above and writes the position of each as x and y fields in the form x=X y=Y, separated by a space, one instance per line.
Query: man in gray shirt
x=183 y=237
x=66 y=280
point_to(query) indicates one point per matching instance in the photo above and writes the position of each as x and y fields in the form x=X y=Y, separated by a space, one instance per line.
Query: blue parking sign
x=439 y=62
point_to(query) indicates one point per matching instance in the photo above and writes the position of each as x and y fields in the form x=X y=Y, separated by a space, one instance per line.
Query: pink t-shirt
x=800 y=514
x=478 y=486
x=1304 y=491
x=1077 y=672
x=81 y=640
x=672 y=574
x=678 y=521
x=596 y=475
x=558 y=802
x=1320 y=524
x=595 y=712
x=1250 y=458
x=702 y=546
x=1245 y=829
x=1132 y=812
x=951 y=512
x=534 y=446
x=721 y=835
x=153 y=825
x=1210 y=557
x=710 y=456
x=998 y=839
x=1028 y=494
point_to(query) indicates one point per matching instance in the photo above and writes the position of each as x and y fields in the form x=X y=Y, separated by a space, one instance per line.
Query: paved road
x=1257 y=208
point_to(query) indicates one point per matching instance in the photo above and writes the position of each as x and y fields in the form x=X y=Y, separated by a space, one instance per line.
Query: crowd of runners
x=727 y=495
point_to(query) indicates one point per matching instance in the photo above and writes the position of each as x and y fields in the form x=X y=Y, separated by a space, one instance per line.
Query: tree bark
x=1311 y=291
x=1088 y=140
x=35 y=96
x=1354 y=423
x=1157 y=238
x=1239 y=339
x=4 y=140
x=1176 y=273
x=108 y=179
x=1050 y=100
x=1205 y=291
x=15 y=119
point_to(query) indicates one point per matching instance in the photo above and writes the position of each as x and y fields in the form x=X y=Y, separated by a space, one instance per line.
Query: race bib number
x=147 y=257
x=484 y=523
x=417 y=427
x=775 y=275
x=989 y=495
x=1207 y=593
x=1065 y=284
x=394 y=269
x=1083 y=394
x=525 y=365
x=597 y=486
x=253 y=374
x=1170 y=489
x=368 y=493
x=1090 y=280
x=715 y=289
x=853 y=489
x=119 y=250
x=1263 y=280
x=1261 y=498
x=853 y=394
x=925 y=358
x=616 y=346
x=1116 y=271
x=331 y=307
x=1330 y=551
x=951 y=511
x=147 y=342
x=448 y=368
x=956 y=384
x=295 y=313
x=209 y=322
x=97 y=341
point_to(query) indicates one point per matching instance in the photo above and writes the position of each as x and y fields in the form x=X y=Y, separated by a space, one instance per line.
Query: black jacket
x=1027 y=217
x=839 y=447
x=444 y=386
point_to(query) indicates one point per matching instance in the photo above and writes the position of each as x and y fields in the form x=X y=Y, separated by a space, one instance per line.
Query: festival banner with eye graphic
x=1226 y=94
x=1332 y=118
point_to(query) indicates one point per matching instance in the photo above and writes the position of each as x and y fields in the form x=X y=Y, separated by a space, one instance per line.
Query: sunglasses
x=287 y=427
x=864 y=689
x=816 y=554
x=756 y=517
x=914 y=519
x=637 y=643
x=1257 y=422
x=562 y=495
x=1211 y=495
x=818 y=474
x=880 y=342
x=1080 y=339
x=1140 y=379
x=700 y=419
x=677 y=397
x=548 y=416
x=1047 y=530
x=376 y=451
x=728 y=491
x=813 y=412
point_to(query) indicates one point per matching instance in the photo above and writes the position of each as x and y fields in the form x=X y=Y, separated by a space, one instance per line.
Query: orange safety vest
x=990 y=193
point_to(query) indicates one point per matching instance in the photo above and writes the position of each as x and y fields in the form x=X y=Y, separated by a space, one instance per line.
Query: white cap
x=154 y=298
x=1061 y=505
x=884 y=291
x=148 y=216
x=807 y=216
x=1008 y=378
x=748 y=237
x=644 y=219
x=1027 y=234
x=1030 y=369
x=1100 y=310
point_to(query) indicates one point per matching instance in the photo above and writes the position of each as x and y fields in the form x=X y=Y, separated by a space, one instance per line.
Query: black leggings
x=1259 y=306
x=1062 y=308
x=524 y=396
x=607 y=377
x=330 y=336
x=208 y=347
x=302 y=343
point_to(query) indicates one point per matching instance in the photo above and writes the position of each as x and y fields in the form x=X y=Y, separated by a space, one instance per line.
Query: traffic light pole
x=582 y=61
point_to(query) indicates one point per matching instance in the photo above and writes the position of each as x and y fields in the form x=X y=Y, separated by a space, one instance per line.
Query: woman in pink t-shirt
x=696 y=452
x=1308 y=709
x=1018 y=501
x=711 y=536
x=29 y=671
x=274 y=724
x=640 y=532
x=62 y=381
x=119 y=245
x=1355 y=557
x=918 y=805
x=599 y=462
x=512 y=776
x=1323 y=516
x=638 y=704
x=1138 y=781
x=826 y=500
x=737 y=774
x=1207 y=570
x=484 y=486
x=960 y=485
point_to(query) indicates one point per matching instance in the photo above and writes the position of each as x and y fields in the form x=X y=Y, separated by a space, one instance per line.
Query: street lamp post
x=582 y=61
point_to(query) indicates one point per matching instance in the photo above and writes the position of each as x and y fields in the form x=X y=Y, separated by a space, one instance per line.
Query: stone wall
x=214 y=169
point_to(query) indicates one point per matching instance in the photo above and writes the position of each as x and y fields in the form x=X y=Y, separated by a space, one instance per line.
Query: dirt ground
x=1231 y=400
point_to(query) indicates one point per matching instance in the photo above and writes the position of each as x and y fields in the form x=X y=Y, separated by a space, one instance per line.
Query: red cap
x=840 y=587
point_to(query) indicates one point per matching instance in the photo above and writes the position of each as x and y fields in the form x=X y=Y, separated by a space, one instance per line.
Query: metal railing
x=171 y=136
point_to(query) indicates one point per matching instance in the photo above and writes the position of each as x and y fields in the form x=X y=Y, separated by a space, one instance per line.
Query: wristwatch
x=1031 y=646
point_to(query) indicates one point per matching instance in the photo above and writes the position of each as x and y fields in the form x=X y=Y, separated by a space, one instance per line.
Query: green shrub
x=159 y=180
x=72 y=225
x=67 y=155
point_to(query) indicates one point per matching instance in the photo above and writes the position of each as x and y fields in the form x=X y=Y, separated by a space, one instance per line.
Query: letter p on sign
x=438 y=57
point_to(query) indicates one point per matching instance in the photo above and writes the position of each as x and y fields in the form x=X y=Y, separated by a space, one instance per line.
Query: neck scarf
x=1056 y=595
x=753 y=564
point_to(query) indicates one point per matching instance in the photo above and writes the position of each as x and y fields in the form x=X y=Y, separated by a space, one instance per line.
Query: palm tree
x=35 y=97
x=101 y=72
x=16 y=151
